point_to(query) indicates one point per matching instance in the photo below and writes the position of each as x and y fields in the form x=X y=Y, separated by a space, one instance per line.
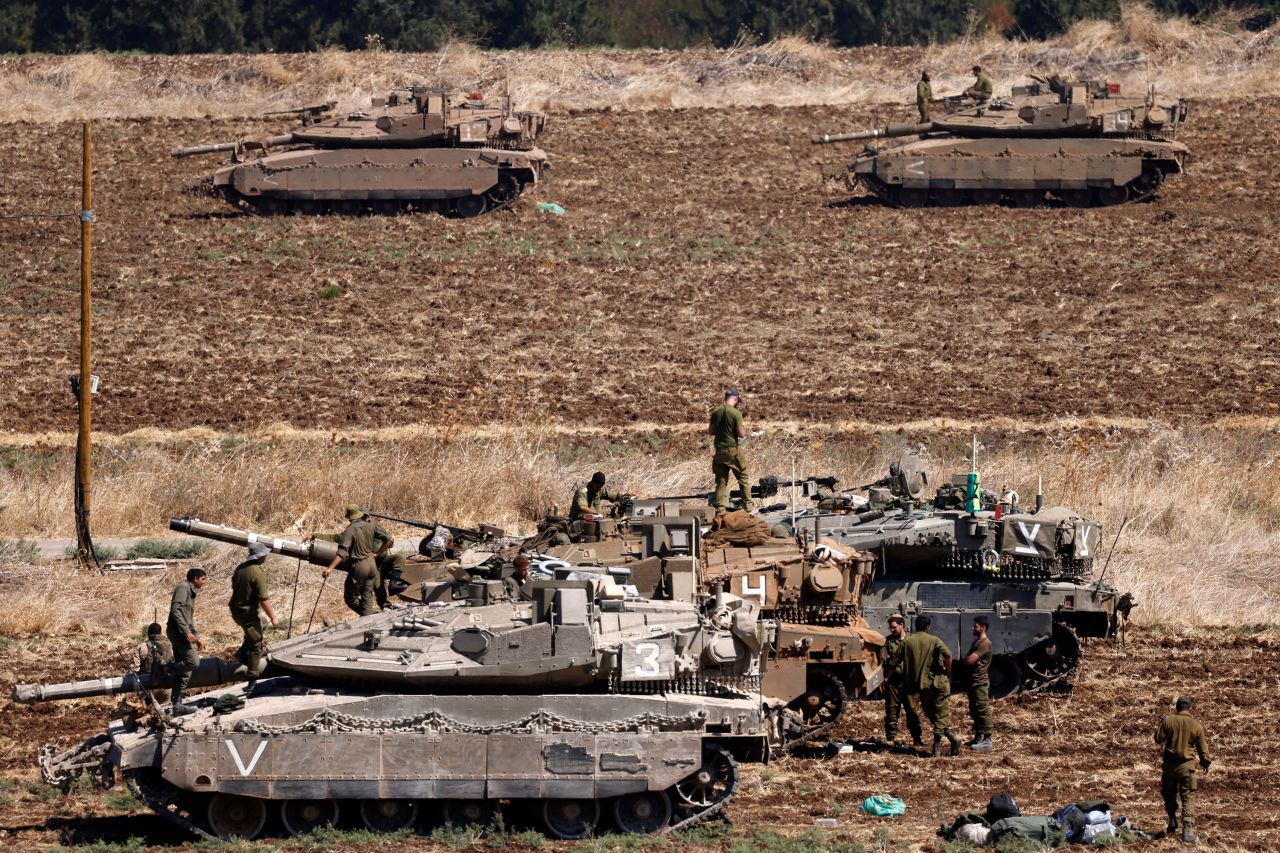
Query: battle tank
x=569 y=701
x=1082 y=142
x=674 y=549
x=967 y=551
x=417 y=149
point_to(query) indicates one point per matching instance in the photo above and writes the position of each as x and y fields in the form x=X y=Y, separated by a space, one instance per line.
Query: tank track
x=1018 y=568
x=1035 y=681
x=811 y=732
x=165 y=800
x=827 y=615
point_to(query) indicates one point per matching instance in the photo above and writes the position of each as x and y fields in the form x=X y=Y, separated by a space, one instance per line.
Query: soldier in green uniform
x=585 y=505
x=978 y=661
x=182 y=634
x=924 y=94
x=894 y=687
x=389 y=566
x=981 y=89
x=728 y=430
x=359 y=546
x=926 y=664
x=150 y=657
x=1184 y=741
x=248 y=595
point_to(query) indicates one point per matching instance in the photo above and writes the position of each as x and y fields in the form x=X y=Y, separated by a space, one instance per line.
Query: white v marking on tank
x=253 y=762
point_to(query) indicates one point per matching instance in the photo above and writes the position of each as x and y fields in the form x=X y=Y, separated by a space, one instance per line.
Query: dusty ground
x=700 y=248
x=1052 y=750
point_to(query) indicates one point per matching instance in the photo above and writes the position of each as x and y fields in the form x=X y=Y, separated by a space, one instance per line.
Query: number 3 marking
x=648 y=654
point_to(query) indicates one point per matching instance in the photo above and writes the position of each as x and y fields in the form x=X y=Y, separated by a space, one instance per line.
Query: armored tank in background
x=967 y=551
x=417 y=149
x=1082 y=142
x=570 y=702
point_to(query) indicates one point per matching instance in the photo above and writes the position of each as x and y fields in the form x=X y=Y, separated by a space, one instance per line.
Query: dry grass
x=1199 y=506
x=1194 y=60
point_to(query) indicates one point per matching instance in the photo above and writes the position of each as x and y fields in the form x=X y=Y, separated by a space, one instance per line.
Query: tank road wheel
x=234 y=816
x=303 y=816
x=642 y=813
x=570 y=819
x=388 y=815
x=987 y=195
x=468 y=206
x=387 y=207
x=1108 y=196
x=463 y=813
x=1077 y=198
x=1028 y=198
x=505 y=191
x=949 y=198
x=1055 y=658
x=714 y=782
x=823 y=700
x=913 y=197
x=1006 y=676
x=348 y=207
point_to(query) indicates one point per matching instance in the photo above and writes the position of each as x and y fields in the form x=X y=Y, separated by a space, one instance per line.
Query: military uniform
x=150 y=657
x=358 y=545
x=981 y=89
x=725 y=423
x=894 y=694
x=582 y=498
x=182 y=613
x=927 y=683
x=248 y=591
x=979 y=688
x=388 y=566
x=1184 y=741
x=924 y=94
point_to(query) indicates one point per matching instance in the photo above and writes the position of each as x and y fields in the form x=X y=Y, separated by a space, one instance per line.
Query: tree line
x=233 y=26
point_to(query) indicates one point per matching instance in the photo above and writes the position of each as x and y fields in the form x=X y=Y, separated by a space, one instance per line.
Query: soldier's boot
x=983 y=743
x=1173 y=825
x=937 y=746
x=955 y=743
x=1187 y=835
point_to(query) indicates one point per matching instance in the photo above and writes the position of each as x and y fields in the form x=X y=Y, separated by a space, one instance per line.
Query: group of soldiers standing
x=979 y=92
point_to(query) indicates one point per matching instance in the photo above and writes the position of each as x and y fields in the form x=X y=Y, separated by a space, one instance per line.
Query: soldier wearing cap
x=926 y=663
x=728 y=430
x=894 y=682
x=248 y=596
x=981 y=89
x=359 y=546
x=1184 y=741
x=150 y=657
x=924 y=95
x=586 y=498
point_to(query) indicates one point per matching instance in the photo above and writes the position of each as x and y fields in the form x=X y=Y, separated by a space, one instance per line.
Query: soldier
x=182 y=633
x=978 y=660
x=924 y=94
x=981 y=89
x=359 y=546
x=926 y=663
x=248 y=594
x=893 y=685
x=1183 y=740
x=389 y=566
x=586 y=499
x=150 y=657
x=728 y=430
x=519 y=577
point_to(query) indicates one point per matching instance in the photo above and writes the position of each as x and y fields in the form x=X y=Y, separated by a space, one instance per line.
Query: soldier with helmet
x=359 y=546
x=151 y=657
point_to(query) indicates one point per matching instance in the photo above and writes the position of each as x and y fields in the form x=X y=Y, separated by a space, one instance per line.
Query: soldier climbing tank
x=1082 y=142
x=573 y=703
x=417 y=149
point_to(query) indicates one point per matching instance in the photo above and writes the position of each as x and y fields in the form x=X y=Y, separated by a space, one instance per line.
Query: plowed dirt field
x=1051 y=750
x=699 y=249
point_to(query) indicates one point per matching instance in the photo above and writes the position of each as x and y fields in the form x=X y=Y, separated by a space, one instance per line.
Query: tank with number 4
x=418 y=149
x=571 y=703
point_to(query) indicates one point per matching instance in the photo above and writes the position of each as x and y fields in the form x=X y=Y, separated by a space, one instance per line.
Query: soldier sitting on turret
x=150 y=657
x=981 y=89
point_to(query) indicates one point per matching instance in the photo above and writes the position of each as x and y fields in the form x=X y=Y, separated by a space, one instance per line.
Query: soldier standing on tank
x=926 y=663
x=728 y=430
x=1184 y=741
x=248 y=595
x=388 y=565
x=978 y=660
x=924 y=94
x=981 y=89
x=359 y=546
x=894 y=685
x=182 y=633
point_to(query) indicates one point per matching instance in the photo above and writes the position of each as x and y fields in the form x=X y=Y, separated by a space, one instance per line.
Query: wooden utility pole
x=84 y=544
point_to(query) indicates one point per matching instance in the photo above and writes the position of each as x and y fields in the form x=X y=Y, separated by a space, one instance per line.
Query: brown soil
x=1095 y=742
x=699 y=249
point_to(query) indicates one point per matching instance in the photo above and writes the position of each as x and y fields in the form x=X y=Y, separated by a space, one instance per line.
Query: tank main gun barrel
x=316 y=552
x=905 y=128
x=210 y=672
x=215 y=147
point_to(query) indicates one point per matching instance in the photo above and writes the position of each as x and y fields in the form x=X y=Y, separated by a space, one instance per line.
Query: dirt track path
x=699 y=248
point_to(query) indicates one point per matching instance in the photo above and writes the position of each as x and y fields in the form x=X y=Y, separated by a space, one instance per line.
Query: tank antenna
x=1039 y=492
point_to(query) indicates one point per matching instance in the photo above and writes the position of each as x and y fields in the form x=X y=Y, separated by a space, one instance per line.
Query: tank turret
x=1083 y=142
x=418 y=148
